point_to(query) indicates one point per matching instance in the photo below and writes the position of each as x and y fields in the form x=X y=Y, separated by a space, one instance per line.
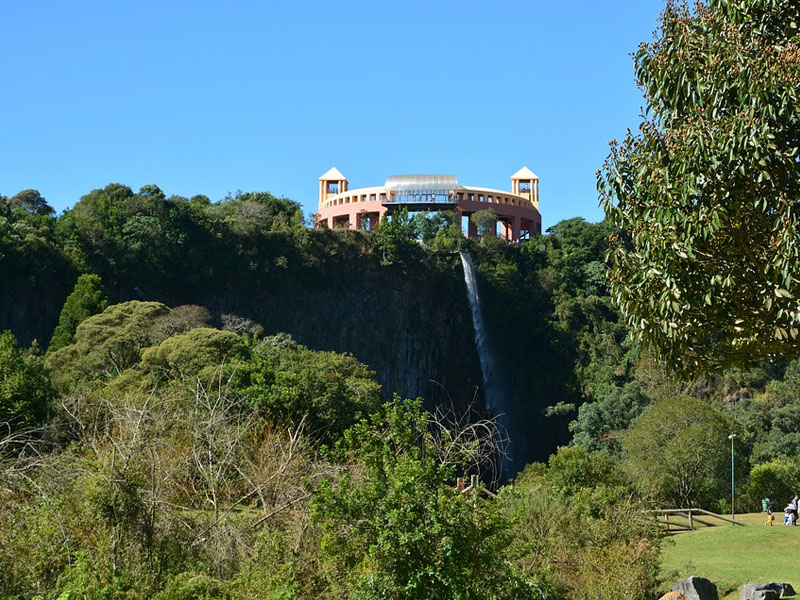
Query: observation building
x=517 y=210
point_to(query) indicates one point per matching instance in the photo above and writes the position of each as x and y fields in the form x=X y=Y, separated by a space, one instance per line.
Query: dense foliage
x=26 y=395
x=400 y=529
x=29 y=248
x=675 y=451
x=705 y=196
x=173 y=486
x=186 y=460
x=577 y=519
x=187 y=455
x=165 y=452
x=325 y=391
x=107 y=344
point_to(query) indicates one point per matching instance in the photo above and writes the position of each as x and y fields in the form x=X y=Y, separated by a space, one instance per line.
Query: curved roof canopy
x=408 y=183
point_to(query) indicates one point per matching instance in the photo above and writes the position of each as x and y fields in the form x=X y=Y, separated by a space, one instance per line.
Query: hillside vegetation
x=182 y=450
x=207 y=400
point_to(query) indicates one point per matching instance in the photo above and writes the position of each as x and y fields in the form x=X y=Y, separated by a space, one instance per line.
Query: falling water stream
x=495 y=399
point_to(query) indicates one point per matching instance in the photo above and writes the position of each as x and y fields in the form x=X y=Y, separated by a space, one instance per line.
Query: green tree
x=25 y=390
x=776 y=479
x=31 y=201
x=188 y=354
x=287 y=381
x=396 y=238
x=771 y=418
x=706 y=194
x=601 y=424
x=29 y=252
x=485 y=221
x=86 y=299
x=438 y=230
x=251 y=213
x=397 y=528
x=143 y=237
x=678 y=450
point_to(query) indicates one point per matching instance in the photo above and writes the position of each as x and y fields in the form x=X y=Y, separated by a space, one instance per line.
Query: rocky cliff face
x=414 y=331
x=411 y=325
x=30 y=305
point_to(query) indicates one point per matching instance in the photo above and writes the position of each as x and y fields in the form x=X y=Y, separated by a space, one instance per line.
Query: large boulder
x=696 y=588
x=762 y=591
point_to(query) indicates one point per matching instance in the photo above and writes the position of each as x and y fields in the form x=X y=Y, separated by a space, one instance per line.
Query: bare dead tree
x=465 y=439
x=240 y=325
x=21 y=452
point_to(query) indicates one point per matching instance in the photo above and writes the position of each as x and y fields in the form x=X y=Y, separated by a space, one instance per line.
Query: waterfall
x=492 y=389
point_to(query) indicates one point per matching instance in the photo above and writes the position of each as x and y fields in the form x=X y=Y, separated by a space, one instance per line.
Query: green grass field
x=732 y=556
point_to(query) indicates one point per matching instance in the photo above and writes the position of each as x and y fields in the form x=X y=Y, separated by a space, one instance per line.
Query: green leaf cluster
x=705 y=195
x=577 y=520
x=196 y=354
x=108 y=343
x=485 y=222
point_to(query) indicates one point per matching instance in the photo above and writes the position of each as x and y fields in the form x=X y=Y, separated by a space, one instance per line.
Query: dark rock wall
x=411 y=325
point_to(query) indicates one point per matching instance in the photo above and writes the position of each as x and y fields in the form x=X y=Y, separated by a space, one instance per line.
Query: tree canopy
x=705 y=195
x=678 y=449
x=108 y=343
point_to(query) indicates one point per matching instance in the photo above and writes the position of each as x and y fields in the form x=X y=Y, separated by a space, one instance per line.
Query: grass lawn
x=732 y=556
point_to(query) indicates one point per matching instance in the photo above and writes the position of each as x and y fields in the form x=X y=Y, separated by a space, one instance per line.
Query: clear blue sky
x=209 y=97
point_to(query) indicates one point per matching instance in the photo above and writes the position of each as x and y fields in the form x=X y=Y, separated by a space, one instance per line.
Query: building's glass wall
x=423 y=197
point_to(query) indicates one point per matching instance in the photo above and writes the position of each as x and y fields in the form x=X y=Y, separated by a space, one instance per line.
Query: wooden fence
x=677 y=520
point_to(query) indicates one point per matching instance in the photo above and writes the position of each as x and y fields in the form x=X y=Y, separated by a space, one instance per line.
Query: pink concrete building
x=517 y=210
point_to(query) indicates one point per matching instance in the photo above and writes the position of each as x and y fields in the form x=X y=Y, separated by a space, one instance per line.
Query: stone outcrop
x=766 y=591
x=696 y=588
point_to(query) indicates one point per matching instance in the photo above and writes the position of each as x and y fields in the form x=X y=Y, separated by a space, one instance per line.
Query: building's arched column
x=472 y=229
x=516 y=223
x=506 y=230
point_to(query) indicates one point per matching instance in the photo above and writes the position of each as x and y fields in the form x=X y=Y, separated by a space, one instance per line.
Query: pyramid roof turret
x=333 y=174
x=524 y=173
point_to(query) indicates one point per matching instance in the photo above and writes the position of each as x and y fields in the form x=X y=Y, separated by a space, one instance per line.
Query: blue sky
x=210 y=97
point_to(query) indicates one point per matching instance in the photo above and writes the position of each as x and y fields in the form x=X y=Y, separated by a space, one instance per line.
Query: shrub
x=187 y=354
x=25 y=390
x=600 y=548
x=289 y=382
x=193 y=586
x=396 y=528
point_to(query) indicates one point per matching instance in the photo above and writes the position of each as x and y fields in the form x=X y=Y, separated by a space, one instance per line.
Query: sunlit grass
x=731 y=556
